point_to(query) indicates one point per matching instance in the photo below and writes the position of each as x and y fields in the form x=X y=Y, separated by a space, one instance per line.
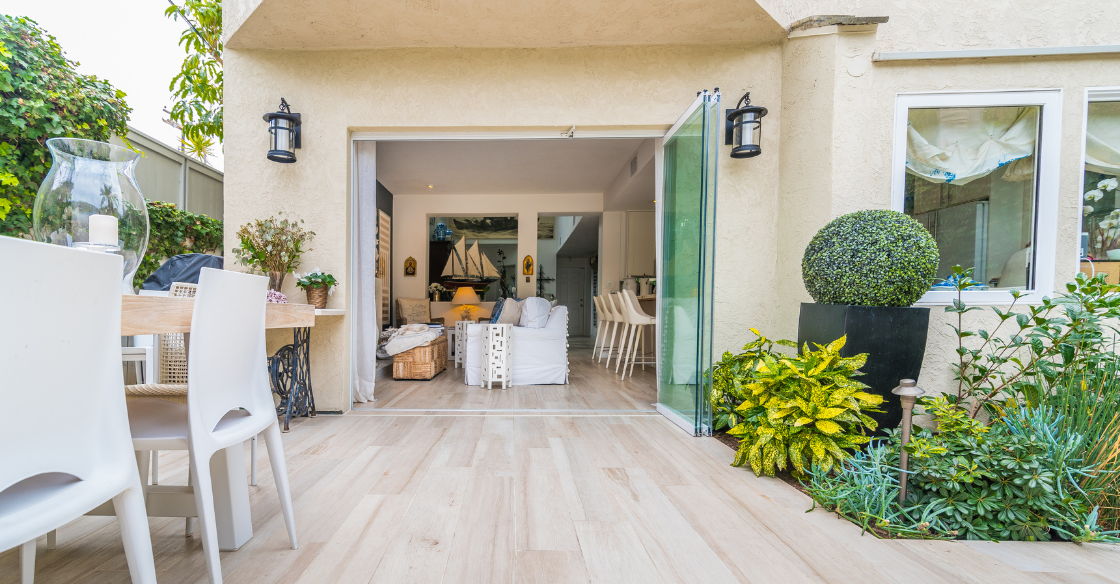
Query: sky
x=129 y=43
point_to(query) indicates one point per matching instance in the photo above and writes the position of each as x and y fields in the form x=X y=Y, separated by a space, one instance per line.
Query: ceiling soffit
x=350 y=24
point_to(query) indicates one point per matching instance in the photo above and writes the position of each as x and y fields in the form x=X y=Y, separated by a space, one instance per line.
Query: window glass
x=971 y=181
x=1100 y=235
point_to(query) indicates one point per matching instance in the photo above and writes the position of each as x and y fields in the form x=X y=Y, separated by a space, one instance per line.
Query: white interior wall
x=546 y=256
x=612 y=250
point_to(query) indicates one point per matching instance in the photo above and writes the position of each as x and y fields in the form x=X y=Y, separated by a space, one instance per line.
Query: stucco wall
x=838 y=132
x=592 y=88
x=921 y=25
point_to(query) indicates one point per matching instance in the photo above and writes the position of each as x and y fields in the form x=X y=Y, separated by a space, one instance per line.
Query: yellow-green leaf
x=828 y=426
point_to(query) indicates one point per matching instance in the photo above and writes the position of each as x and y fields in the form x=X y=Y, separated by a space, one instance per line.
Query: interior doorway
x=554 y=195
x=574 y=291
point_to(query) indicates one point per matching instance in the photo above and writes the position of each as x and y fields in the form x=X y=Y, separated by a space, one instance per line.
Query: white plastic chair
x=639 y=321
x=66 y=447
x=229 y=400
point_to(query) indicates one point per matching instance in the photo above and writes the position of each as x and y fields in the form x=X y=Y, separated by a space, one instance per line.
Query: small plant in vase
x=1102 y=224
x=272 y=246
x=436 y=290
x=317 y=285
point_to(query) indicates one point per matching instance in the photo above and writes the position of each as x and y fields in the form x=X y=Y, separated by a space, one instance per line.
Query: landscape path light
x=908 y=391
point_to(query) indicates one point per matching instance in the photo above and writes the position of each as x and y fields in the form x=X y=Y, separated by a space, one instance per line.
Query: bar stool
x=623 y=317
x=639 y=321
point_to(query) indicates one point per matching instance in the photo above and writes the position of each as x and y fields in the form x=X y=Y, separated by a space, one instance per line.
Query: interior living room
x=471 y=229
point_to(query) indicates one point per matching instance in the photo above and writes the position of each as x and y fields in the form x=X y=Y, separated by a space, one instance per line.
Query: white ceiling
x=502 y=167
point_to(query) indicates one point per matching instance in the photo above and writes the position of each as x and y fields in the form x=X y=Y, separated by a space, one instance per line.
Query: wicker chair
x=172 y=357
x=171 y=351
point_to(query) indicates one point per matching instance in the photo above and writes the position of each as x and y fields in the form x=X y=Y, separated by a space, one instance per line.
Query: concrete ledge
x=998 y=53
x=823 y=20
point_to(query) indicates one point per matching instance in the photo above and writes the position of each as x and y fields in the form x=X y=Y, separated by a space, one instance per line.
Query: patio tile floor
x=453 y=497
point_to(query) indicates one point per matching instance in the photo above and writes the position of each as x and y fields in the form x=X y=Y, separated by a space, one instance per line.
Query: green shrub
x=799 y=411
x=1020 y=479
x=43 y=96
x=730 y=375
x=173 y=231
x=870 y=258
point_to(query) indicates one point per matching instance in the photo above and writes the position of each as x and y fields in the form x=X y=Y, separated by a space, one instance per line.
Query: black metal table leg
x=290 y=376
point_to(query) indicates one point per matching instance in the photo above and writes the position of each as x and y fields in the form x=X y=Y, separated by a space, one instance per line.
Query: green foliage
x=43 y=96
x=174 y=231
x=198 y=85
x=316 y=279
x=731 y=374
x=1064 y=336
x=1088 y=404
x=1020 y=479
x=801 y=411
x=870 y=258
x=272 y=245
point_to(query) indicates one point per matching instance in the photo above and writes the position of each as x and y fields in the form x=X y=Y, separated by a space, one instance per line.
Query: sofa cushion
x=511 y=312
x=496 y=311
x=534 y=312
x=412 y=311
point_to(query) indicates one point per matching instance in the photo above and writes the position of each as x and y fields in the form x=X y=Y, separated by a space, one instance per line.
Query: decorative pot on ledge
x=317 y=296
x=894 y=337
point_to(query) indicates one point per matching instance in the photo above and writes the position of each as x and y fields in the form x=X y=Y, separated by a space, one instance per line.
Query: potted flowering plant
x=1102 y=224
x=317 y=285
x=436 y=290
x=272 y=246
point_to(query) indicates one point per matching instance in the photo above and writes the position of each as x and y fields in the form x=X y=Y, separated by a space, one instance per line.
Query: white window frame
x=1045 y=240
x=1091 y=94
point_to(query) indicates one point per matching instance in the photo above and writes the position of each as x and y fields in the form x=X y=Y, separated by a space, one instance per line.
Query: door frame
x=421 y=134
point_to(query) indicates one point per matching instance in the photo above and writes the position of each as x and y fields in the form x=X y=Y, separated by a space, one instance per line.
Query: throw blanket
x=410 y=336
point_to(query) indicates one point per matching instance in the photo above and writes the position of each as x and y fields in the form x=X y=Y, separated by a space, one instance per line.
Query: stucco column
x=527 y=245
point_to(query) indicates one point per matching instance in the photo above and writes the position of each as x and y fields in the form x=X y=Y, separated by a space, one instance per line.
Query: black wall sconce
x=744 y=128
x=283 y=134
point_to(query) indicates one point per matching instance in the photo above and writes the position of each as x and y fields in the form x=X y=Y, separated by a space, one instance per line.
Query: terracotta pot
x=317 y=296
x=276 y=280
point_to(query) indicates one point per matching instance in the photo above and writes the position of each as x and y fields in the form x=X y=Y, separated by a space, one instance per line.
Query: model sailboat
x=466 y=267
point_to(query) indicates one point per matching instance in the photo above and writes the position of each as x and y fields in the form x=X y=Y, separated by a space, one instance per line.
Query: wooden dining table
x=145 y=315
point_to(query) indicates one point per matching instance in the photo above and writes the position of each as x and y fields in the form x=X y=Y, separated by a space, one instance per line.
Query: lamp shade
x=465 y=295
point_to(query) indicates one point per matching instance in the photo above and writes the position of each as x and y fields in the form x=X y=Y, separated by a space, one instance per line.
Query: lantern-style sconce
x=744 y=128
x=283 y=134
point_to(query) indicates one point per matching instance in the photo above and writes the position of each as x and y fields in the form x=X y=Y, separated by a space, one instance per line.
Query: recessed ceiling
x=502 y=167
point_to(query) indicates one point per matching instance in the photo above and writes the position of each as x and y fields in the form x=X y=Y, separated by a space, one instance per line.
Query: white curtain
x=1102 y=140
x=959 y=145
x=365 y=302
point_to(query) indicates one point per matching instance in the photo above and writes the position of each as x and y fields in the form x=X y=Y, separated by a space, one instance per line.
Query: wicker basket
x=317 y=295
x=421 y=362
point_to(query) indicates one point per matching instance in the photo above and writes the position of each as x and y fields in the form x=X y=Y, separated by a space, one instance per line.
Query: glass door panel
x=687 y=255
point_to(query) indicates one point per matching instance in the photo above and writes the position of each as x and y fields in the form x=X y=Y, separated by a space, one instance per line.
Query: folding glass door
x=684 y=287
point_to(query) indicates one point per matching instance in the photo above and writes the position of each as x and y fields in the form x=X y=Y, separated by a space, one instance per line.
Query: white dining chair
x=640 y=322
x=67 y=447
x=228 y=400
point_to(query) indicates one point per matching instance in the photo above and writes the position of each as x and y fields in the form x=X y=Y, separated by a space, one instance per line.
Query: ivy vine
x=42 y=96
x=173 y=231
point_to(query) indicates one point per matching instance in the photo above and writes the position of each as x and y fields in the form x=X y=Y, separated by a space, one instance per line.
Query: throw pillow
x=534 y=313
x=511 y=312
x=497 y=310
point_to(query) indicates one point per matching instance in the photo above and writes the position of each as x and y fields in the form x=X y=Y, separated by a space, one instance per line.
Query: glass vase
x=93 y=178
x=276 y=280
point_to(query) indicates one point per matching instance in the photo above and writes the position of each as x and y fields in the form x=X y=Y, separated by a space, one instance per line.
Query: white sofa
x=538 y=356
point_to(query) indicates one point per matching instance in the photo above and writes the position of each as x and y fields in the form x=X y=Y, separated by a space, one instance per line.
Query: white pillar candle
x=103 y=229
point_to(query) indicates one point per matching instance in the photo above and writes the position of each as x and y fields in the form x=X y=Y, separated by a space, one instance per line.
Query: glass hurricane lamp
x=90 y=200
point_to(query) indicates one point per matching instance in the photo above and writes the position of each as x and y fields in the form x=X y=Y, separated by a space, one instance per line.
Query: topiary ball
x=870 y=258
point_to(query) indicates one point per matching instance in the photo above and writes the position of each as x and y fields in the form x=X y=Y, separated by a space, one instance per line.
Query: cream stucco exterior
x=827 y=146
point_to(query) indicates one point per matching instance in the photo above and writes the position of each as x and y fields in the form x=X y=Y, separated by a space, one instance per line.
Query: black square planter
x=894 y=338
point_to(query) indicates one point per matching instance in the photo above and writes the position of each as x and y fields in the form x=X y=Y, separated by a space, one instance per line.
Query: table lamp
x=465 y=298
